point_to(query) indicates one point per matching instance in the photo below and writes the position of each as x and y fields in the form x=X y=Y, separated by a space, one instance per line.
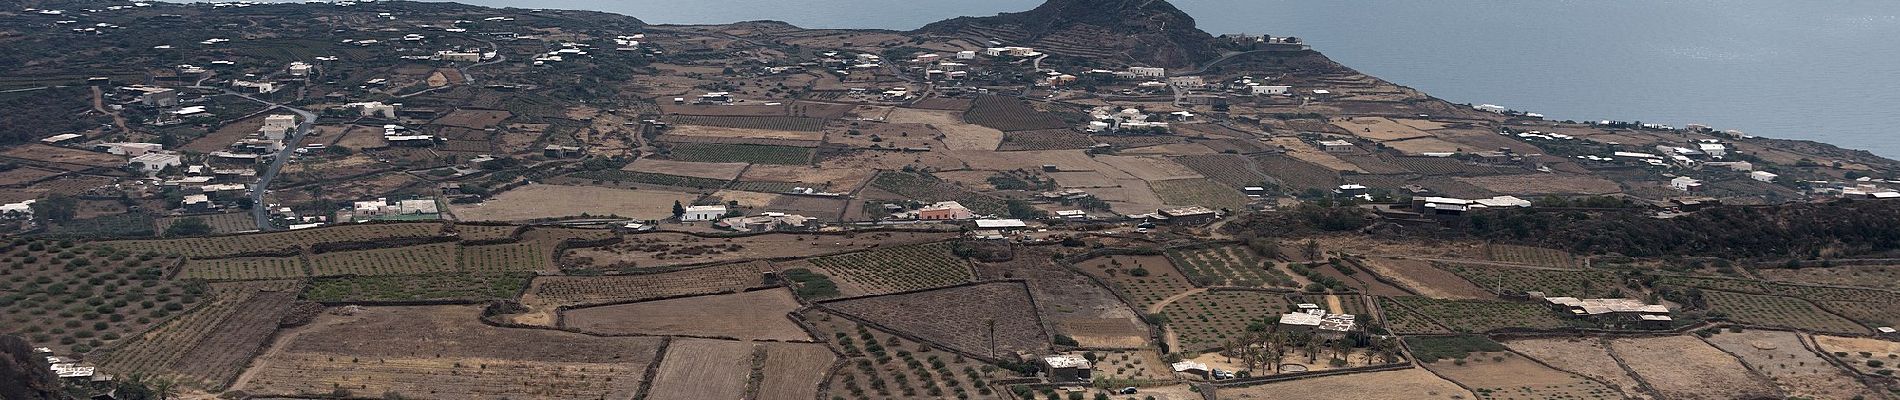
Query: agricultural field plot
x=754 y=315
x=505 y=258
x=1423 y=145
x=1143 y=280
x=619 y=177
x=1583 y=356
x=1047 y=139
x=660 y=249
x=445 y=352
x=67 y=158
x=1866 y=355
x=1867 y=313
x=897 y=269
x=1574 y=283
x=1528 y=255
x=1231 y=265
x=245 y=268
x=768 y=187
x=1076 y=305
x=1422 y=277
x=793 y=371
x=1405 y=384
x=1789 y=364
x=1380 y=129
x=960 y=317
x=1682 y=367
x=223 y=353
x=772 y=123
x=477 y=232
x=1871 y=276
x=536 y=201
x=1544 y=184
x=703 y=369
x=1778 y=311
x=929 y=189
x=1131 y=366
x=472 y=118
x=1509 y=376
x=1235 y=171
x=416 y=288
x=880 y=365
x=740 y=153
x=221 y=224
x=1405 y=321
x=226 y=246
x=408 y=260
x=1206 y=320
x=76 y=298
x=1295 y=175
x=1198 y=192
x=1477 y=316
x=154 y=352
x=550 y=291
x=1149 y=168
x=1010 y=114
x=714 y=171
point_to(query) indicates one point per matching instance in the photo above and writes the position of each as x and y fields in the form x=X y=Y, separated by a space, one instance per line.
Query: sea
x=1824 y=70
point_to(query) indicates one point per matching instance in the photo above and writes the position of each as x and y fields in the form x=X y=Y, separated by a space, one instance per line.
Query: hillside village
x=370 y=199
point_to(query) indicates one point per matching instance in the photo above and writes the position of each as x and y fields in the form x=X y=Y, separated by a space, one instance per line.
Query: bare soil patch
x=1585 y=356
x=472 y=118
x=1379 y=129
x=1422 y=277
x=793 y=371
x=1406 y=384
x=703 y=369
x=720 y=171
x=1507 y=375
x=1150 y=168
x=1683 y=367
x=759 y=314
x=958 y=317
x=1785 y=360
x=958 y=135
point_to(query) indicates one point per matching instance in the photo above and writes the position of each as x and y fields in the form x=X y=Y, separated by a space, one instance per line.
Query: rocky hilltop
x=1143 y=32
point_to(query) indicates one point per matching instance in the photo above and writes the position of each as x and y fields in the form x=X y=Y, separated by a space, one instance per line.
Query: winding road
x=259 y=210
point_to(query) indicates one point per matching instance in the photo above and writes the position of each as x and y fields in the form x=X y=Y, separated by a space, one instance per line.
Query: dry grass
x=1683 y=367
x=793 y=370
x=1785 y=360
x=1407 y=384
x=720 y=171
x=703 y=369
x=748 y=316
x=958 y=135
x=1507 y=375
x=1584 y=356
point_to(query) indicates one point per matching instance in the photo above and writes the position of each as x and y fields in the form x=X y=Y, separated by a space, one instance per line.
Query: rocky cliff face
x=1141 y=32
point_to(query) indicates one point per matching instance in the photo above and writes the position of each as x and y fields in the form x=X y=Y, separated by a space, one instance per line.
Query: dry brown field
x=1420 y=146
x=1683 y=367
x=723 y=111
x=720 y=171
x=472 y=118
x=361 y=137
x=225 y=135
x=743 y=133
x=958 y=317
x=1380 y=129
x=759 y=314
x=958 y=135
x=1786 y=361
x=444 y=352
x=1074 y=304
x=1507 y=375
x=1584 y=356
x=1544 y=184
x=703 y=369
x=65 y=158
x=23 y=174
x=1170 y=149
x=827 y=176
x=1406 y=384
x=792 y=371
x=1149 y=168
x=1420 y=276
x=551 y=201
x=1162 y=280
x=754 y=200
x=1857 y=351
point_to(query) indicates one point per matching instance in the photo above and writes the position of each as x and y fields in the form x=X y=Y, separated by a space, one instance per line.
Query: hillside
x=1149 y=32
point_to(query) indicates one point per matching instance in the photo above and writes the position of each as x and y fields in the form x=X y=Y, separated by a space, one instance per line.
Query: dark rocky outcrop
x=1142 y=32
x=24 y=375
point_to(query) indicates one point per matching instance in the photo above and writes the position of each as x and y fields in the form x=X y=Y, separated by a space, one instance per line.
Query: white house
x=1148 y=72
x=1714 y=150
x=1685 y=183
x=1763 y=176
x=277 y=126
x=152 y=162
x=1271 y=90
x=1187 y=81
x=703 y=213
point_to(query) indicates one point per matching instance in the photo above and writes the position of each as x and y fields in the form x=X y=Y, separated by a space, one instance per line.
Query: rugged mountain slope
x=1144 y=32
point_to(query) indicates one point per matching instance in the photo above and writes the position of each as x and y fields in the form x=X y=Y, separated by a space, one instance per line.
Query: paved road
x=259 y=210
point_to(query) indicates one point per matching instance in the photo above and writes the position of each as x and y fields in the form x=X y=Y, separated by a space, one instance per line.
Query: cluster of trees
x=1809 y=230
x=1260 y=348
